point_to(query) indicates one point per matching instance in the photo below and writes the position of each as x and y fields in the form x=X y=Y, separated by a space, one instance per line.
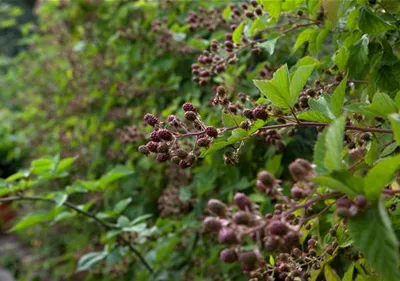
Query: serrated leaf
x=114 y=175
x=380 y=176
x=313 y=116
x=358 y=56
x=322 y=105
x=121 y=205
x=341 y=57
x=382 y=105
x=370 y=23
x=273 y=7
x=302 y=38
x=231 y=120
x=395 y=124
x=330 y=274
x=374 y=237
x=334 y=144
x=268 y=45
x=237 y=33
x=238 y=135
x=89 y=260
x=334 y=184
x=337 y=98
x=298 y=80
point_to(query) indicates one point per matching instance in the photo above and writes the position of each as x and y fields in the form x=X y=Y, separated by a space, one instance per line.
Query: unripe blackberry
x=144 y=150
x=173 y=120
x=154 y=136
x=311 y=93
x=266 y=178
x=248 y=114
x=162 y=157
x=254 y=3
x=181 y=153
x=292 y=238
x=271 y=243
x=183 y=164
x=277 y=228
x=217 y=207
x=195 y=66
x=204 y=73
x=221 y=91
x=242 y=201
x=228 y=36
x=150 y=119
x=297 y=192
x=175 y=159
x=365 y=136
x=361 y=202
x=296 y=252
x=245 y=125
x=228 y=44
x=190 y=116
x=260 y=113
x=244 y=6
x=152 y=146
x=343 y=202
x=260 y=186
x=228 y=255
x=298 y=172
x=203 y=142
x=242 y=218
x=189 y=107
x=259 y=11
x=164 y=134
x=227 y=236
x=212 y=224
x=219 y=68
x=249 y=260
x=250 y=14
x=162 y=147
x=305 y=164
x=211 y=132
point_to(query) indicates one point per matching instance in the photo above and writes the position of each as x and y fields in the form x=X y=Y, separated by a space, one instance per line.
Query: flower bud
x=260 y=113
x=227 y=236
x=228 y=255
x=217 y=207
x=212 y=224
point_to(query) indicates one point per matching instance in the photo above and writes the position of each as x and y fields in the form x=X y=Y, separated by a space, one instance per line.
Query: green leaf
x=382 y=105
x=330 y=274
x=215 y=146
x=231 y=120
x=374 y=237
x=121 y=205
x=319 y=152
x=65 y=164
x=380 y=176
x=60 y=198
x=341 y=57
x=226 y=13
x=34 y=219
x=302 y=38
x=42 y=166
x=123 y=221
x=87 y=261
x=389 y=149
x=348 y=276
x=337 y=98
x=334 y=184
x=370 y=23
x=395 y=124
x=352 y=19
x=114 y=175
x=237 y=34
x=358 y=57
x=331 y=9
x=299 y=79
x=238 y=135
x=372 y=153
x=313 y=116
x=268 y=45
x=322 y=105
x=334 y=144
x=273 y=7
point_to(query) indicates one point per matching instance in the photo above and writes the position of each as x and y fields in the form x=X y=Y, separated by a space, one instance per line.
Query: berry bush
x=204 y=140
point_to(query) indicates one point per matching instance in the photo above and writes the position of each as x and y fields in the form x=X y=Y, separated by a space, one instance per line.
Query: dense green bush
x=286 y=111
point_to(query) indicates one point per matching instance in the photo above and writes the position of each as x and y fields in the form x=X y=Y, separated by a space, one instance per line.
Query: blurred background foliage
x=76 y=79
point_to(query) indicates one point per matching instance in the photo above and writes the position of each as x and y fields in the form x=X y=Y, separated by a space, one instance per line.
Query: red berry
x=190 y=115
x=150 y=119
x=260 y=113
x=189 y=107
x=164 y=134
x=152 y=146
x=154 y=136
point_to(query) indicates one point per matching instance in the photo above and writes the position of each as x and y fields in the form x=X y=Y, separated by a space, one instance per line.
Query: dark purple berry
x=242 y=201
x=248 y=114
x=154 y=136
x=297 y=192
x=260 y=113
x=164 y=134
x=162 y=157
x=277 y=228
x=228 y=255
x=190 y=115
x=189 y=107
x=152 y=146
x=150 y=119
x=211 y=132
x=227 y=236
x=162 y=147
x=249 y=260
